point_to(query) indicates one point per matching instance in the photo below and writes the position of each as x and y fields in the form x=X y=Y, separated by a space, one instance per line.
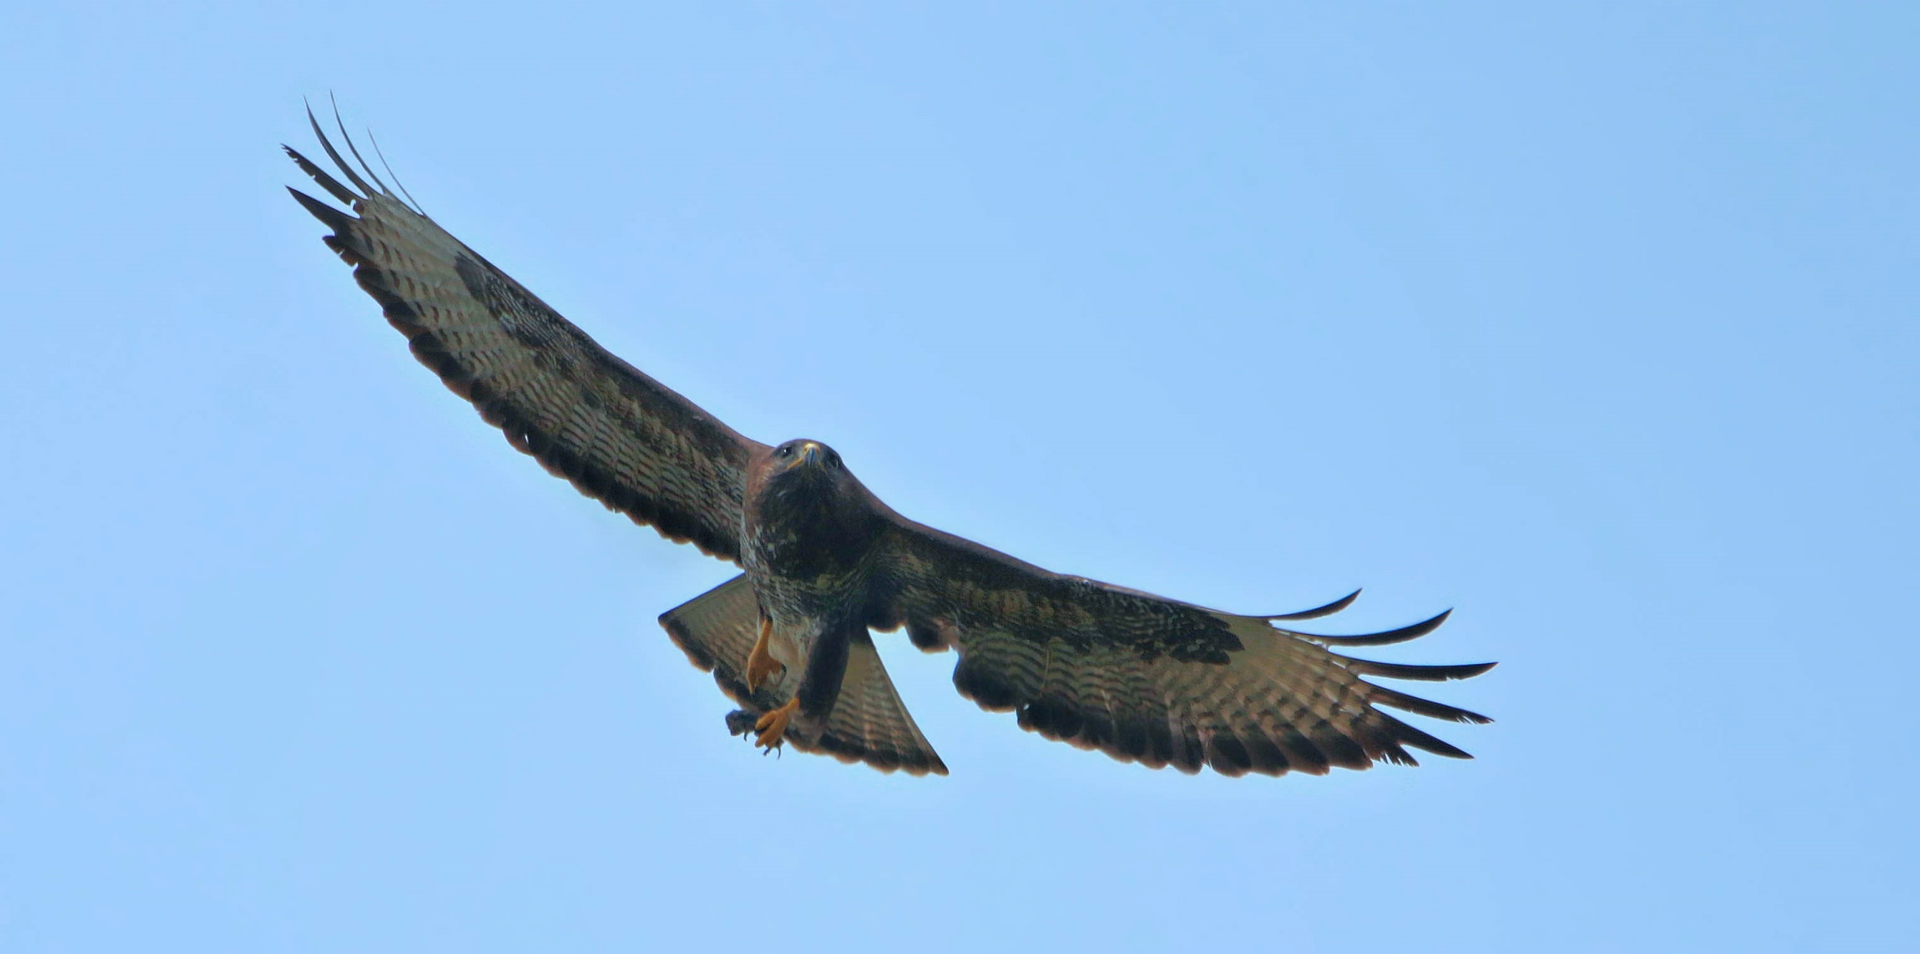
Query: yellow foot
x=760 y=663
x=772 y=727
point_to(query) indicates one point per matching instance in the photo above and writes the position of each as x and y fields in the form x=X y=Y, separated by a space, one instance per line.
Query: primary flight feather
x=1138 y=676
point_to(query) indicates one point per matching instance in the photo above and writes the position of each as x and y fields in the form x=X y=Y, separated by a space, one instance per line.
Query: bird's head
x=803 y=456
x=808 y=468
x=808 y=510
x=805 y=480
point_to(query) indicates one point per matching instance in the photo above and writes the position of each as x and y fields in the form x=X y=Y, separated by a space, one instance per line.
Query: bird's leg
x=772 y=727
x=760 y=662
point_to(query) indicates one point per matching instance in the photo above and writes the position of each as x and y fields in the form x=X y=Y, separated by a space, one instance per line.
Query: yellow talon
x=760 y=663
x=772 y=727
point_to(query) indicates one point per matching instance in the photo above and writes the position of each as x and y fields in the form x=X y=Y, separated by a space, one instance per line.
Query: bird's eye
x=786 y=450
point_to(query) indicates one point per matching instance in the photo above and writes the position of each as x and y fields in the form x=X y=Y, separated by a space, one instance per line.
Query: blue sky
x=1595 y=322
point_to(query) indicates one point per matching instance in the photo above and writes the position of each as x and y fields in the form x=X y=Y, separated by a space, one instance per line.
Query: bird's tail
x=868 y=723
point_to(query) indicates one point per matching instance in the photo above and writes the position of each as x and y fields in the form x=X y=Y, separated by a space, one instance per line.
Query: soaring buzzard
x=1140 y=677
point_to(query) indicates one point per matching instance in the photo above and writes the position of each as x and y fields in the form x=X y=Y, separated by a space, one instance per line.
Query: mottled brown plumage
x=1140 y=677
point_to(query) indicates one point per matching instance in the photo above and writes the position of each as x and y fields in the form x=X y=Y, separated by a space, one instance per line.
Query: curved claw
x=771 y=729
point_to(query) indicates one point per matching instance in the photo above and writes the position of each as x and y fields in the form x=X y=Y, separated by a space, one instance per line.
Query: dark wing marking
x=618 y=435
x=868 y=723
x=1148 y=679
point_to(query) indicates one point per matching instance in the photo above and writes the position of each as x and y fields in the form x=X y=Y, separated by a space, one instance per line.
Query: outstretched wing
x=868 y=723
x=1152 y=680
x=620 y=436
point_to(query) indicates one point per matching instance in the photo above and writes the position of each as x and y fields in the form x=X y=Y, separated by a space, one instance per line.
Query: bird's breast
x=806 y=556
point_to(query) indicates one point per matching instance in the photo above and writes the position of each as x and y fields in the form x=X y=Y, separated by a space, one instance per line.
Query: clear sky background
x=1596 y=322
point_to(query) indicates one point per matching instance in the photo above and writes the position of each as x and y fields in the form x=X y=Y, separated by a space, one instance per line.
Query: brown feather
x=868 y=723
x=616 y=434
x=1143 y=678
x=1147 y=679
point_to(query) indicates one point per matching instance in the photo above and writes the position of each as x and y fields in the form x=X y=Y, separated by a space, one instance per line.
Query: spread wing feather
x=618 y=435
x=1153 y=680
x=868 y=723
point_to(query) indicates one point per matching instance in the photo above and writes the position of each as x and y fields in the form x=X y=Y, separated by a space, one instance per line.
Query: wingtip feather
x=1428 y=743
x=1381 y=695
x=1424 y=673
x=328 y=215
x=1318 y=611
x=364 y=165
x=320 y=176
x=334 y=154
x=1391 y=636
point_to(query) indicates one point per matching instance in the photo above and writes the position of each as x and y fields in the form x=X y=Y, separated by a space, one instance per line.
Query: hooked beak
x=810 y=454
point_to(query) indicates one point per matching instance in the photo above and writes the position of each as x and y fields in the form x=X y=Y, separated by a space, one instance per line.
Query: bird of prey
x=825 y=563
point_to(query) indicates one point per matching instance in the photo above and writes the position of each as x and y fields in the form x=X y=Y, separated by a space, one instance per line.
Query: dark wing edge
x=616 y=434
x=1151 y=680
x=868 y=723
